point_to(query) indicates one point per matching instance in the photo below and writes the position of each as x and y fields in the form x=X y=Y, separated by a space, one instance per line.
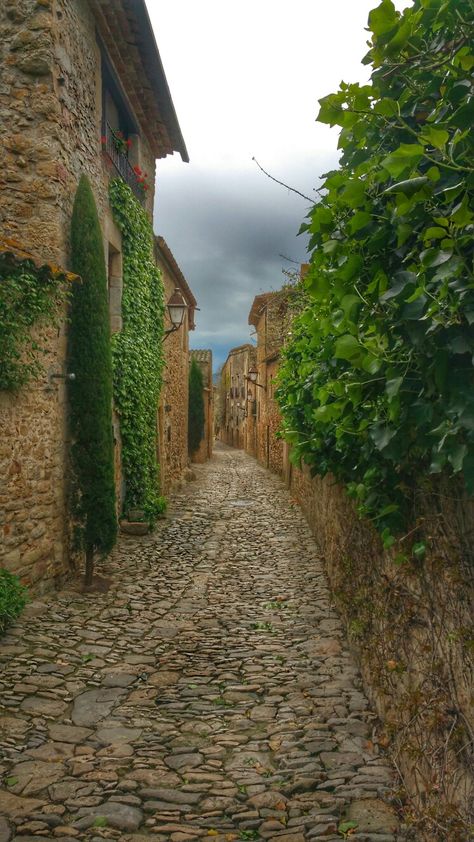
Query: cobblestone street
x=209 y=693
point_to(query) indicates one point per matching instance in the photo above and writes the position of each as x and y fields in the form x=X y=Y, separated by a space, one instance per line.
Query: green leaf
x=464 y=58
x=11 y=781
x=434 y=233
x=383 y=19
x=318 y=286
x=331 y=110
x=347 y=348
x=355 y=193
x=387 y=107
x=392 y=387
x=435 y=257
x=382 y=435
x=329 y=412
x=462 y=214
x=409 y=186
x=403 y=282
x=350 y=268
x=405 y=157
x=435 y=137
x=359 y=220
x=348 y=303
x=456 y=456
x=403 y=233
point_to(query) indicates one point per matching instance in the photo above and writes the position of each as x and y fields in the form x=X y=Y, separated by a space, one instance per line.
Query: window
x=120 y=139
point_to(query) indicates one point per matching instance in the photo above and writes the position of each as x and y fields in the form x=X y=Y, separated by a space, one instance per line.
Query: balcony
x=121 y=163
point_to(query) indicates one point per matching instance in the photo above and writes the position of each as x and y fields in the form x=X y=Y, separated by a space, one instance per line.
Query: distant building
x=173 y=410
x=204 y=360
x=270 y=315
x=238 y=399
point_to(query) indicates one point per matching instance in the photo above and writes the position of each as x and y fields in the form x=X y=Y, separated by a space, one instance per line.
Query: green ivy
x=29 y=297
x=138 y=354
x=377 y=385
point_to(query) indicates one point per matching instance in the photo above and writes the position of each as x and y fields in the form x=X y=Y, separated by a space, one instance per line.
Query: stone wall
x=50 y=128
x=412 y=627
x=173 y=412
x=33 y=540
x=32 y=423
x=410 y=623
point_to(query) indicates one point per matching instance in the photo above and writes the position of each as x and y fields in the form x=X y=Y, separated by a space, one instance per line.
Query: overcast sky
x=245 y=79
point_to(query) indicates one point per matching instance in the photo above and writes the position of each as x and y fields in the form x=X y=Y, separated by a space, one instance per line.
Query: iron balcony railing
x=121 y=162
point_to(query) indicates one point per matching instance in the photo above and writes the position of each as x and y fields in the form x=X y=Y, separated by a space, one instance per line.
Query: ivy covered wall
x=138 y=354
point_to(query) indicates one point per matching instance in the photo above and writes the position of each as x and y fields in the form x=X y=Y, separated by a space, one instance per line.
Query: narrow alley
x=209 y=693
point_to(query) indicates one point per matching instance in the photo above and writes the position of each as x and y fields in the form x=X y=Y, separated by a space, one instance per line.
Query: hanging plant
x=119 y=141
x=29 y=298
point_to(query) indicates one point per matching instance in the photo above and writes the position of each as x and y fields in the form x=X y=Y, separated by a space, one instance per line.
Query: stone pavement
x=208 y=694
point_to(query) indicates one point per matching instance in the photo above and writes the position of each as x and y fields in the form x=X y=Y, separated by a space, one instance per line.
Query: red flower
x=129 y=143
x=103 y=139
x=137 y=170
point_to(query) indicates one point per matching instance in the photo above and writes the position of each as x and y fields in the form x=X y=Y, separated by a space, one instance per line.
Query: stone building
x=270 y=315
x=238 y=399
x=83 y=91
x=173 y=409
x=204 y=360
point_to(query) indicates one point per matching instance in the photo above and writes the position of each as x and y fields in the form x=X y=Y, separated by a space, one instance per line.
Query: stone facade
x=173 y=410
x=204 y=361
x=270 y=315
x=69 y=69
x=237 y=394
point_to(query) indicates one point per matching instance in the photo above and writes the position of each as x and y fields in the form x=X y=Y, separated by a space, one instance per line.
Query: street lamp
x=252 y=375
x=176 y=309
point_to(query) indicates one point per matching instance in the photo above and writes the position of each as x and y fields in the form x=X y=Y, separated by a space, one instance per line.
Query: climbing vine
x=377 y=386
x=138 y=354
x=29 y=298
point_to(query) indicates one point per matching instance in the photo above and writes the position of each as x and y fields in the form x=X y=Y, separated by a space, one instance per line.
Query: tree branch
x=293 y=189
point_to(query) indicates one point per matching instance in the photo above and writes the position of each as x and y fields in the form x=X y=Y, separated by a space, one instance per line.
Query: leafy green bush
x=196 y=407
x=377 y=386
x=91 y=392
x=13 y=598
x=138 y=354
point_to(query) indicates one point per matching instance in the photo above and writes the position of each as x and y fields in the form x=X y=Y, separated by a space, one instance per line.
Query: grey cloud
x=227 y=231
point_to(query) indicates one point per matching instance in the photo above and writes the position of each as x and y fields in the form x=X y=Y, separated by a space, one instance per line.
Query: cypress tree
x=196 y=407
x=90 y=393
